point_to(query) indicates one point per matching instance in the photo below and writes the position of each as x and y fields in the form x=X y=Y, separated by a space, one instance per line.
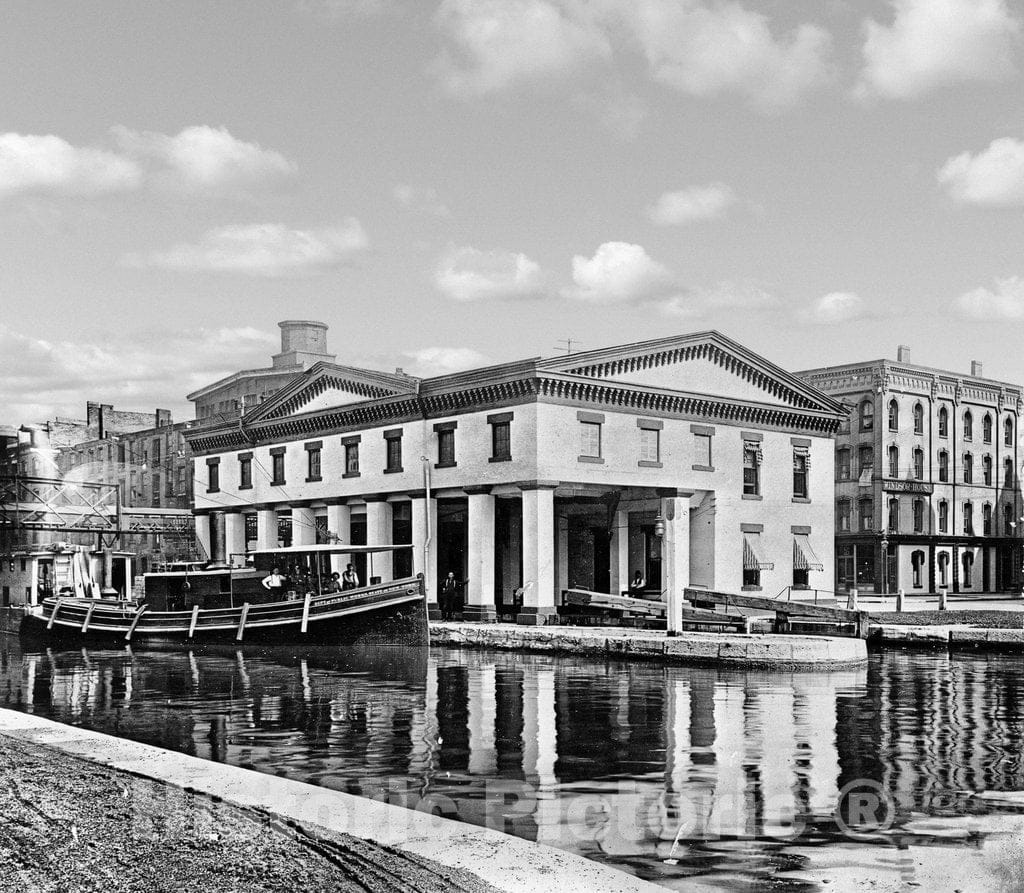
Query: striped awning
x=804 y=558
x=753 y=560
x=865 y=478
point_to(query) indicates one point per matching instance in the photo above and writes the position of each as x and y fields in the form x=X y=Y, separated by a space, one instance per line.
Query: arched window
x=943 y=516
x=1008 y=432
x=968 y=564
x=943 y=562
x=894 y=461
x=986 y=470
x=865 y=459
x=1008 y=524
x=843 y=515
x=867 y=416
x=943 y=422
x=986 y=428
x=968 y=519
x=866 y=512
x=918 y=463
x=1007 y=472
x=894 y=514
x=986 y=519
x=944 y=466
x=968 y=425
x=918 y=516
x=918 y=418
x=843 y=464
x=894 y=416
x=917 y=563
x=968 y=468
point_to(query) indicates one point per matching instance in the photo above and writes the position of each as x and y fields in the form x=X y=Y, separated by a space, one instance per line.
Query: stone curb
x=720 y=649
x=506 y=862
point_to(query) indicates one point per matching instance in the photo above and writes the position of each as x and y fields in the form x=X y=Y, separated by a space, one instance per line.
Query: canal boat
x=231 y=605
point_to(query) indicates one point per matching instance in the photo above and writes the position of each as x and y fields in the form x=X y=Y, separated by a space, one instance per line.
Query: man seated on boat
x=334 y=584
x=350 y=579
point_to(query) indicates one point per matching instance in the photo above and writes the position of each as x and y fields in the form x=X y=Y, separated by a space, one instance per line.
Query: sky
x=453 y=183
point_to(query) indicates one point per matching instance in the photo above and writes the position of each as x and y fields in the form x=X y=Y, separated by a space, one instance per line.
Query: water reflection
x=669 y=772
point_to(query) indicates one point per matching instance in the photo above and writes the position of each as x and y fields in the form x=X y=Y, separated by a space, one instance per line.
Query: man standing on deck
x=274 y=584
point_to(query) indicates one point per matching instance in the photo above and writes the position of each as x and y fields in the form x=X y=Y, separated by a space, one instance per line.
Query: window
x=943 y=422
x=1008 y=524
x=156 y=489
x=865 y=459
x=967 y=560
x=894 y=514
x=968 y=519
x=213 y=475
x=752 y=562
x=986 y=519
x=918 y=464
x=943 y=562
x=943 y=517
x=918 y=418
x=156 y=452
x=751 y=468
x=277 y=466
x=245 y=471
x=894 y=416
x=968 y=425
x=986 y=470
x=501 y=436
x=844 y=423
x=351 y=457
x=799 y=474
x=917 y=565
x=650 y=444
x=867 y=416
x=842 y=465
x=393 y=451
x=968 y=468
x=918 y=516
x=445 y=432
x=590 y=440
x=1008 y=432
x=986 y=428
x=894 y=461
x=313 y=461
x=702 y=456
x=843 y=515
x=866 y=511
x=1007 y=472
x=182 y=484
x=944 y=466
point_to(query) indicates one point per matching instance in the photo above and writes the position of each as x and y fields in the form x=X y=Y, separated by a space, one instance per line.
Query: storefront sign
x=894 y=486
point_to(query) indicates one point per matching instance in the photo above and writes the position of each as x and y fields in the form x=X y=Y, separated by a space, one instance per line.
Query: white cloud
x=722 y=296
x=692 y=203
x=466 y=274
x=835 y=308
x=995 y=176
x=431 y=361
x=30 y=163
x=204 y=159
x=935 y=42
x=620 y=273
x=495 y=44
x=420 y=199
x=263 y=249
x=703 y=49
x=987 y=305
x=41 y=378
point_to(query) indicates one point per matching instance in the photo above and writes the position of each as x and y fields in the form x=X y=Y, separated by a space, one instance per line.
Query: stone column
x=203 y=536
x=218 y=540
x=234 y=538
x=538 y=553
x=480 y=566
x=618 y=553
x=562 y=547
x=378 y=532
x=303 y=526
x=675 y=554
x=339 y=523
x=266 y=528
x=424 y=555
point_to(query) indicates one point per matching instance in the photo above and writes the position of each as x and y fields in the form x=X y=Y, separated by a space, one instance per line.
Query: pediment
x=327 y=385
x=706 y=364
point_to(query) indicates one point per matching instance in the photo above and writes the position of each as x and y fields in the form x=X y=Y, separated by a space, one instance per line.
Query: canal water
x=672 y=773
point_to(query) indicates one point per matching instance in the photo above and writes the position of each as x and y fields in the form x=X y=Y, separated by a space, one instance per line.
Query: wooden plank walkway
x=784 y=611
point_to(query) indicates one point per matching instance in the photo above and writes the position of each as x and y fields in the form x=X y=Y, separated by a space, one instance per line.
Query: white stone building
x=687 y=458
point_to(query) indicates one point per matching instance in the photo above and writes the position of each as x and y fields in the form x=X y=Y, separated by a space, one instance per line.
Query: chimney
x=976 y=369
x=399 y=370
x=303 y=343
x=163 y=418
x=903 y=354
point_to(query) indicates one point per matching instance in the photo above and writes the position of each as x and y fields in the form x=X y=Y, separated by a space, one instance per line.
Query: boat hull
x=390 y=614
